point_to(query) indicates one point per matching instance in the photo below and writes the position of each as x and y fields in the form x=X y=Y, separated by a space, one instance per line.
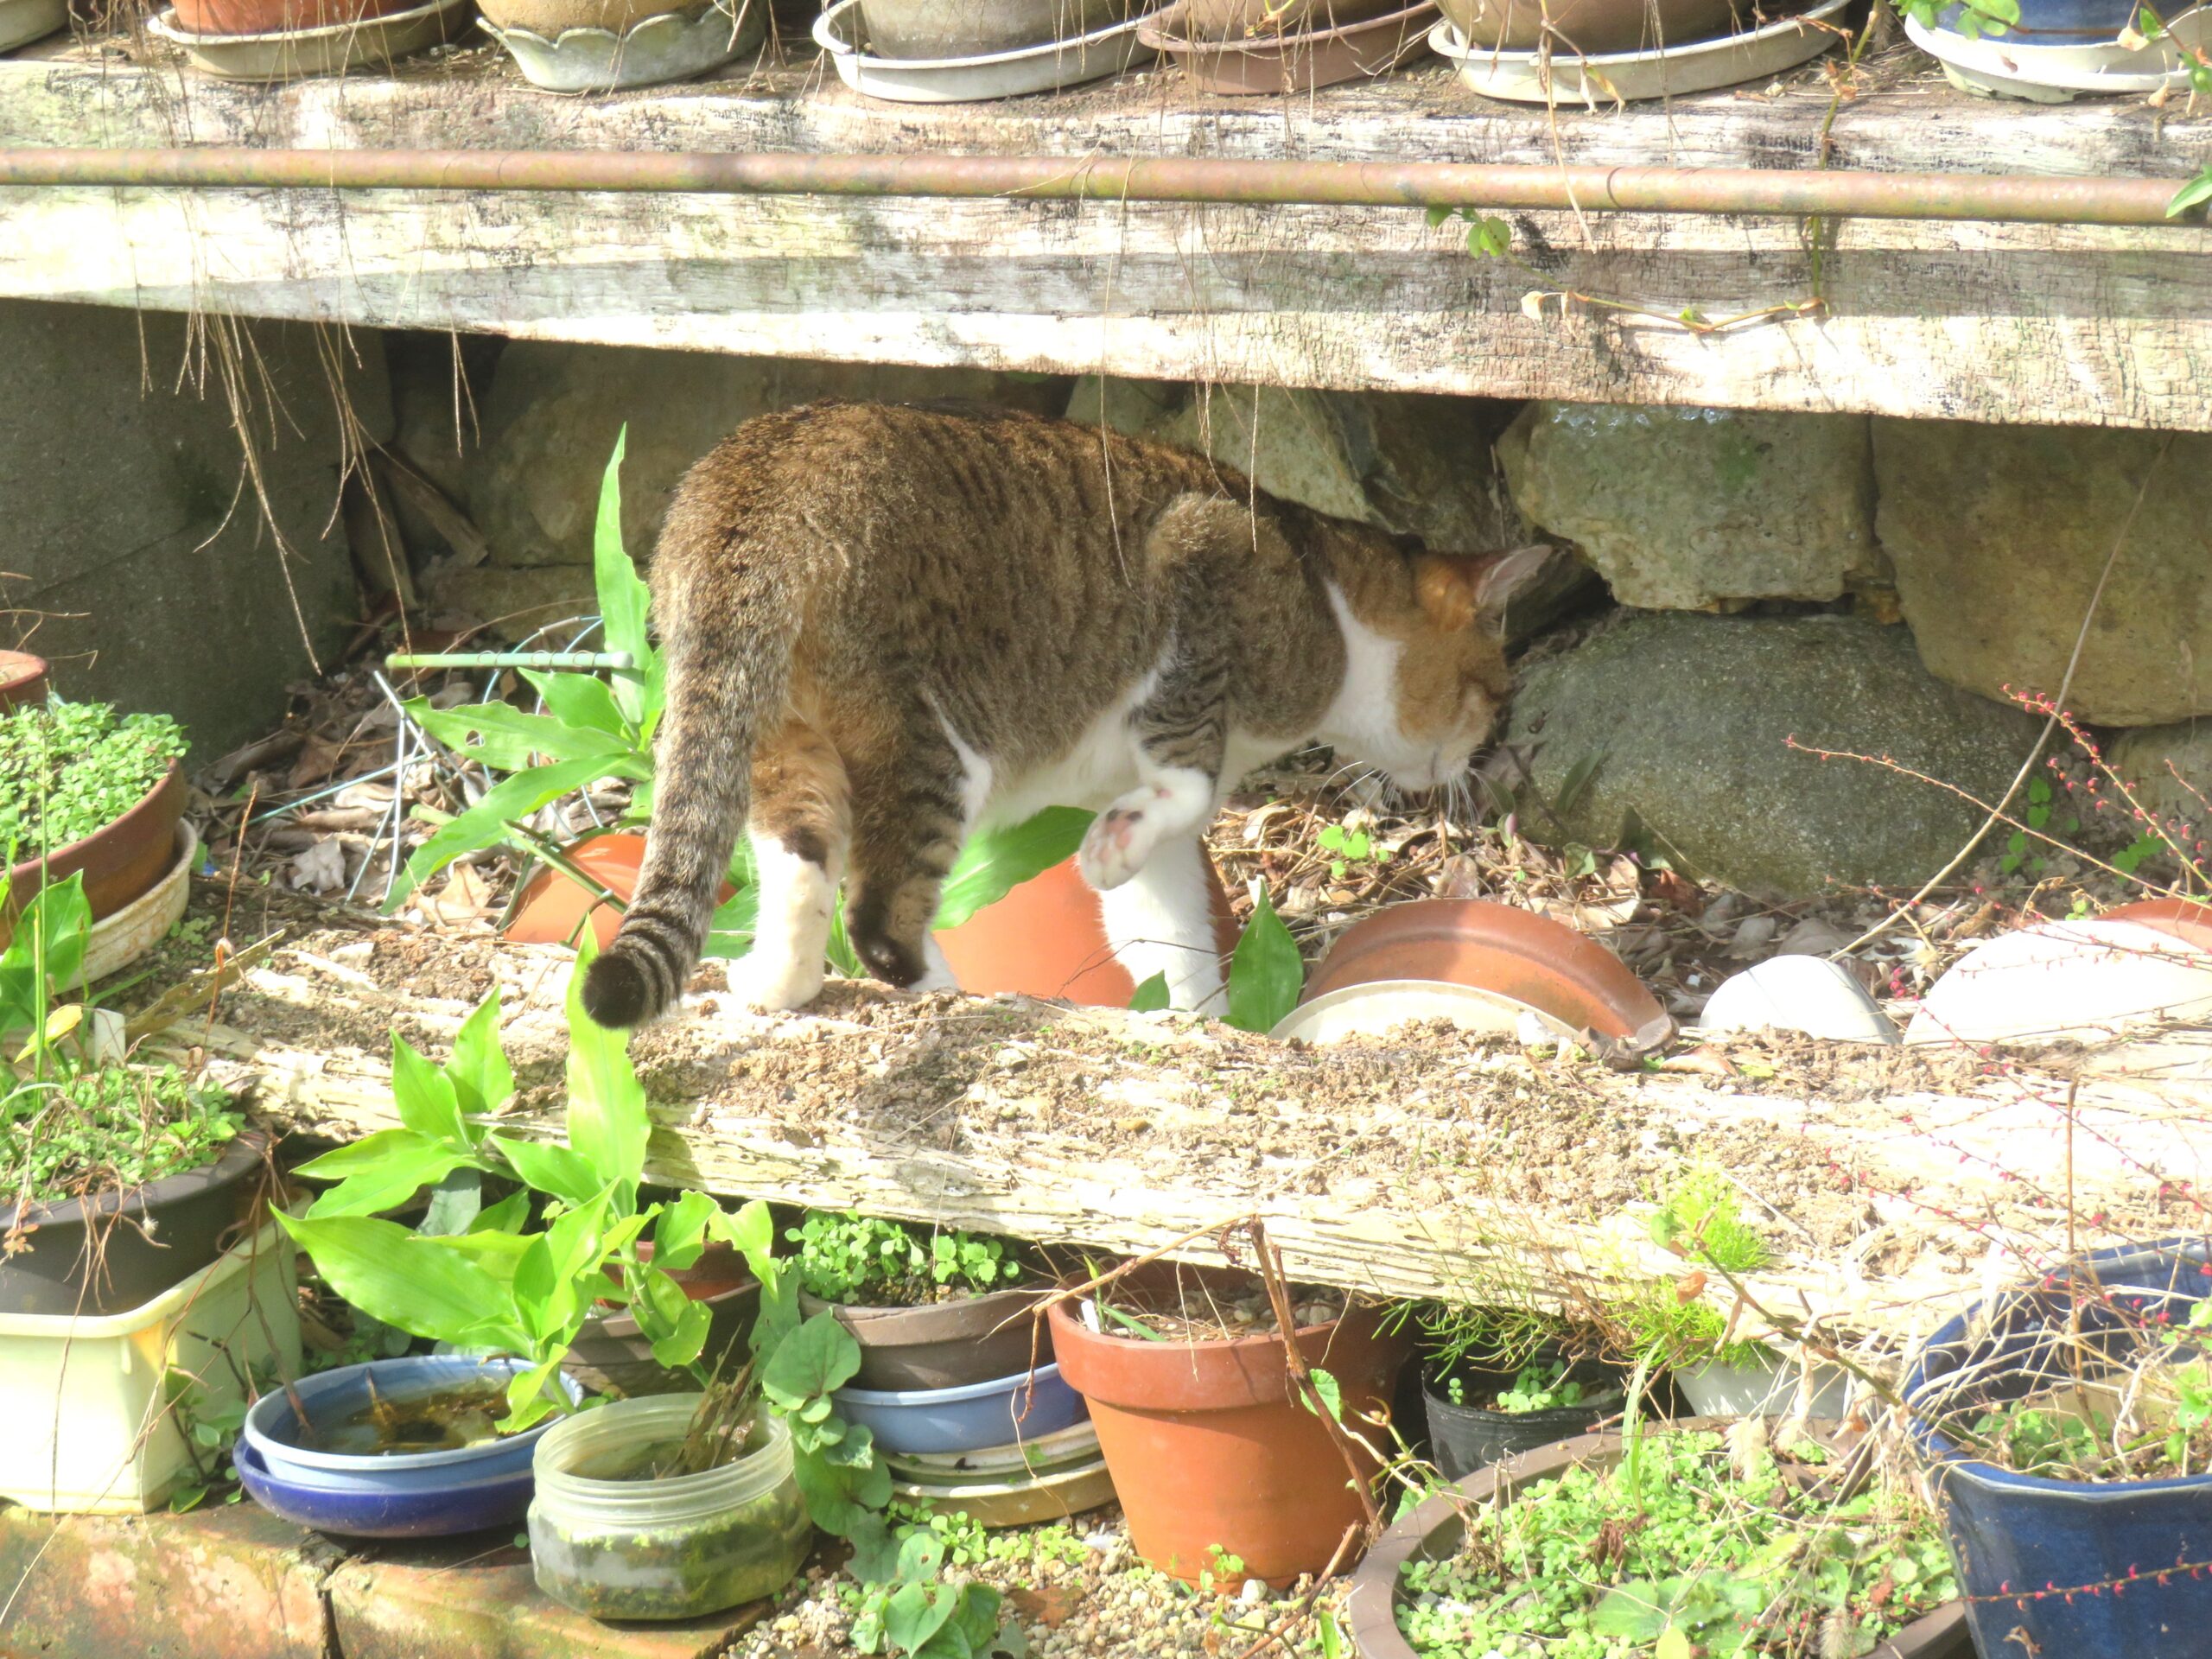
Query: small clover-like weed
x=67 y=769
x=873 y=1262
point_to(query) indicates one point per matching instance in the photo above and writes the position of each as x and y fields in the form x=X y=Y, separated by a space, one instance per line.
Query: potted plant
x=83 y=790
x=1478 y=1417
x=596 y=46
x=2066 y=1426
x=1214 y=1451
x=1701 y=1537
x=124 y=1180
x=930 y=1311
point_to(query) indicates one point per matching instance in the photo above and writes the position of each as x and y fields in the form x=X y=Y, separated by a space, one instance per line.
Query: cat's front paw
x=1121 y=837
x=773 y=984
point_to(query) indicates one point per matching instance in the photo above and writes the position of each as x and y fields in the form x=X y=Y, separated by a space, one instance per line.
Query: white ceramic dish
x=1017 y=1503
x=1998 y=67
x=650 y=52
x=290 y=55
x=117 y=941
x=22 y=22
x=1045 y=1454
x=1381 y=1005
x=1671 y=72
x=964 y=80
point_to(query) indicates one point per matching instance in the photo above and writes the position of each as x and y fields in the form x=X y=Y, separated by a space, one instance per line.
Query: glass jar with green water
x=614 y=1536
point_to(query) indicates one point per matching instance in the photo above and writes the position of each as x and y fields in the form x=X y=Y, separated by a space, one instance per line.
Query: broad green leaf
x=1673 y=1644
x=582 y=701
x=729 y=931
x=1151 y=996
x=681 y=1233
x=485 y=824
x=608 y=1123
x=483 y=1079
x=876 y=1551
x=915 y=1612
x=549 y=1169
x=682 y=1343
x=1265 y=976
x=455 y=1202
x=624 y=603
x=751 y=1231
x=379 y=1172
x=2195 y=194
x=1333 y=1398
x=506 y=739
x=841 y=1496
x=510 y=1215
x=428 y=1103
x=532 y=1394
x=416 y=1284
x=51 y=930
x=992 y=864
x=818 y=1358
x=1635 y=1610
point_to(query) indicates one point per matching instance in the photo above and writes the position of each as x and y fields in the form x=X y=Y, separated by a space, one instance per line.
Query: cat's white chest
x=1100 y=763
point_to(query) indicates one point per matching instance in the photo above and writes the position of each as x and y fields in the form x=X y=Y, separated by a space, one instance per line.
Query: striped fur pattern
x=888 y=626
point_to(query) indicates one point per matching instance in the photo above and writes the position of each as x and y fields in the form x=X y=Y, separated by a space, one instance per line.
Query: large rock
x=1999 y=534
x=1688 y=721
x=1701 y=508
x=550 y=425
x=2169 y=768
x=144 y=549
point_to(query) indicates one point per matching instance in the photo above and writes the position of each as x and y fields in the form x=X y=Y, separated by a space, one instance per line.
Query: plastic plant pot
x=1437 y=1528
x=1763 y=1383
x=938 y=29
x=625 y=1549
x=121 y=1248
x=1274 y=64
x=2015 y=1536
x=120 y=861
x=1208 y=1449
x=1592 y=25
x=942 y=1345
x=1465 y=1438
x=1005 y=1411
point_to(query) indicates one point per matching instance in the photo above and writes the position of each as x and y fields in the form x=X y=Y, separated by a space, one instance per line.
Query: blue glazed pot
x=2011 y=1534
x=2059 y=22
x=420 y=1494
x=1021 y=1407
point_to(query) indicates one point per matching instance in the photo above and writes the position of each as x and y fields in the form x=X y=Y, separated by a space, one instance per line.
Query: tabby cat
x=886 y=626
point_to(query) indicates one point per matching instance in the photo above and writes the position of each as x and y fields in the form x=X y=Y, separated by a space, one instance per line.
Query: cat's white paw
x=774 y=984
x=1121 y=837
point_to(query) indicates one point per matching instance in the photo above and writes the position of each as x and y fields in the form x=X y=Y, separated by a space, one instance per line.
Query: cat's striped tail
x=726 y=617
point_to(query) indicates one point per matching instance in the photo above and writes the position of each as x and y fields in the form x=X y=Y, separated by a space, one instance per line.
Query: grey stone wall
x=136 y=556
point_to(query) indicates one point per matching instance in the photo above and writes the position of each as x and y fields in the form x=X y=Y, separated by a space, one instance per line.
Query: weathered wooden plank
x=1979 y=322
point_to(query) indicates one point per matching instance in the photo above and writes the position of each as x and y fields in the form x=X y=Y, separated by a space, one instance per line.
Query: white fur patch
x=1363 y=717
x=791 y=934
x=1160 y=921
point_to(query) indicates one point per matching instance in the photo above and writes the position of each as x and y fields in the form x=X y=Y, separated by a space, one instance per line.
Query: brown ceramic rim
x=1277 y=63
x=159 y=808
x=932 y=1323
x=2182 y=919
x=22 y=679
x=240 y=1153
x=623 y=1327
x=1435 y=1529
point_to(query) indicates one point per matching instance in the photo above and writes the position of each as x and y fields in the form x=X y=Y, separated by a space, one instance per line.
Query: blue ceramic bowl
x=364 y=1512
x=271 y=1432
x=2011 y=1533
x=1024 y=1407
x=2058 y=23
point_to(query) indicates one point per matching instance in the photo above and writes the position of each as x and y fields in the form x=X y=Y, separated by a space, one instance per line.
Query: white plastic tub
x=92 y=1429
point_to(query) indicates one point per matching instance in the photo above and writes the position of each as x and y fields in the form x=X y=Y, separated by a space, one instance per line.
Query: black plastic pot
x=944 y=1344
x=1463 y=1439
x=2026 y=1545
x=121 y=1250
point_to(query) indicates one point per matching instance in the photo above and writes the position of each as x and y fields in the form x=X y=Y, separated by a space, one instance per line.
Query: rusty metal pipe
x=2014 y=198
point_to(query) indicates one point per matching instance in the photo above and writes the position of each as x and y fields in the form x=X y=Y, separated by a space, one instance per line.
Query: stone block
x=474 y=1599
x=2000 y=533
x=145 y=567
x=550 y=422
x=516 y=602
x=1684 y=725
x=232 y=1582
x=2170 y=770
x=1701 y=508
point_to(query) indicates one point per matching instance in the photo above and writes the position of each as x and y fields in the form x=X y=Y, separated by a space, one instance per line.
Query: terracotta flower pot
x=1275 y=64
x=120 y=861
x=1590 y=27
x=2184 y=919
x=551 y=906
x=934 y=30
x=119 y=1250
x=279 y=16
x=1047 y=939
x=1242 y=20
x=22 y=679
x=611 y=1355
x=1437 y=1528
x=1209 y=1450
x=944 y=1345
x=1501 y=948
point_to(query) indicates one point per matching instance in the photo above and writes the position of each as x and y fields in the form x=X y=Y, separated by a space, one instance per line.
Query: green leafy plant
x=1345 y=848
x=1488 y=236
x=1975 y=17
x=879 y=1263
x=905 y=1609
x=67 y=769
x=1266 y=974
x=1669 y=1323
x=1709 y=1550
x=1542 y=1387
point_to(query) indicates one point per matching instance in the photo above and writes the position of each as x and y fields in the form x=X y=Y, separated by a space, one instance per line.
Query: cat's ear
x=1456 y=588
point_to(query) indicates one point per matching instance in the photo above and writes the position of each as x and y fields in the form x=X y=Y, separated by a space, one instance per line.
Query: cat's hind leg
x=799 y=828
x=914 y=798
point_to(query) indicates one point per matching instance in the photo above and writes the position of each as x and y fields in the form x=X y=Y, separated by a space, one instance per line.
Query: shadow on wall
x=137 y=557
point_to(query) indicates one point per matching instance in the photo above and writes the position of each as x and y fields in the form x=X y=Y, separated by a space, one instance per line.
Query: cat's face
x=1426 y=677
